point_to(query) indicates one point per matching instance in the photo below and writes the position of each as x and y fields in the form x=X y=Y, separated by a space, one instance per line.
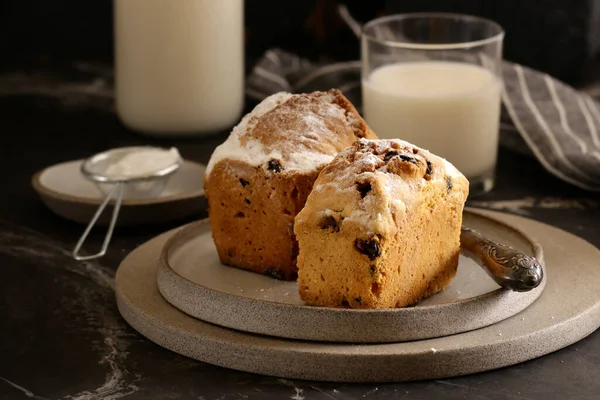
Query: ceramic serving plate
x=191 y=278
x=66 y=192
x=567 y=310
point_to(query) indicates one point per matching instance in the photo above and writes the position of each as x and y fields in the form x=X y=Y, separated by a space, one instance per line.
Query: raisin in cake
x=381 y=228
x=258 y=179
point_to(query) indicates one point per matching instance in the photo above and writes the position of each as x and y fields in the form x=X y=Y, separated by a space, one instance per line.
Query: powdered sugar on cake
x=301 y=135
x=253 y=152
x=387 y=195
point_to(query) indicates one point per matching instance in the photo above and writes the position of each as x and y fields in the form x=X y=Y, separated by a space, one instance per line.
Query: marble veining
x=25 y=391
x=89 y=309
x=299 y=392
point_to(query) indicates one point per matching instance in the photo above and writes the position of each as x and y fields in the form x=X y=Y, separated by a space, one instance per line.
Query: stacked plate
x=175 y=291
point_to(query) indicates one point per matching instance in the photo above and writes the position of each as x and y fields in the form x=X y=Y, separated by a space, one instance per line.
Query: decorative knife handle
x=508 y=267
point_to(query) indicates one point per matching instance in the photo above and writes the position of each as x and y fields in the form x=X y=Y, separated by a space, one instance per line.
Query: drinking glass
x=434 y=79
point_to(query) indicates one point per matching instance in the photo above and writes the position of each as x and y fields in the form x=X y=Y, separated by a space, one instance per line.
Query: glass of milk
x=434 y=80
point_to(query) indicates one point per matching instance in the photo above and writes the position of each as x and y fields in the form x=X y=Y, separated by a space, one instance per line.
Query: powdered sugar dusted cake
x=381 y=227
x=258 y=179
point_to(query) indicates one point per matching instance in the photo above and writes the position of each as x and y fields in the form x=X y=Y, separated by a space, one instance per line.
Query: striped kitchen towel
x=541 y=116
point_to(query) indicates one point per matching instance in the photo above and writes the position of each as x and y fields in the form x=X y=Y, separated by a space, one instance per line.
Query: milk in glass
x=451 y=109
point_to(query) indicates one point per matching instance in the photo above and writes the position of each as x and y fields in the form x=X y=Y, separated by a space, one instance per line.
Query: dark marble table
x=61 y=336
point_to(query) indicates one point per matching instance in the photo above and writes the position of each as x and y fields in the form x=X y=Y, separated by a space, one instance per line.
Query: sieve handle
x=119 y=190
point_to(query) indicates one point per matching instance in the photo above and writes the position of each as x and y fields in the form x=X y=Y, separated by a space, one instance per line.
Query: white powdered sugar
x=249 y=121
x=307 y=145
x=253 y=152
x=143 y=162
x=307 y=160
x=377 y=212
x=395 y=193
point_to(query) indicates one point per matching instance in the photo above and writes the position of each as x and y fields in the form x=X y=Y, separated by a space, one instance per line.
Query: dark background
x=56 y=320
x=561 y=37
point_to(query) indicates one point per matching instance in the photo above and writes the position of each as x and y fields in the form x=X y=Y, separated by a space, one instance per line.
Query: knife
x=508 y=267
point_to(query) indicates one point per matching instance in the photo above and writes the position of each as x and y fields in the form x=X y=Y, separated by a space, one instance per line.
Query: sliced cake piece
x=381 y=227
x=258 y=179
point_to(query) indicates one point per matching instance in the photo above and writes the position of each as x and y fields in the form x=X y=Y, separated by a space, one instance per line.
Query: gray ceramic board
x=191 y=278
x=567 y=311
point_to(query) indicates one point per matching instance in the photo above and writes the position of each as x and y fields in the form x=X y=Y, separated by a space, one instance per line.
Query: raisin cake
x=381 y=228
x=259 y=178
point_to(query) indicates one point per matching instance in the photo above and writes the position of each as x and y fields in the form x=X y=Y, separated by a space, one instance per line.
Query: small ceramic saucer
x=65 y=191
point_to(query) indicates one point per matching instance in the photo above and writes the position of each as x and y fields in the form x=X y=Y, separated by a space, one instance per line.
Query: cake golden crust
x=381 y=228
x=259 y=179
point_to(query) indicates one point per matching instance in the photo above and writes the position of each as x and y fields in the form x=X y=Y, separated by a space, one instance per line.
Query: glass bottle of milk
x=179 y=65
